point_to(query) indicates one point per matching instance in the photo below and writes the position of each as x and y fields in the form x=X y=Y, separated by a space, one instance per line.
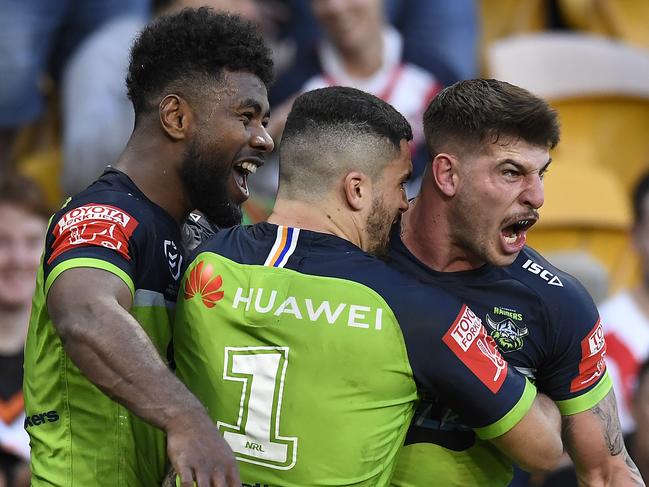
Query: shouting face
x=498 y=194
x=229 y=144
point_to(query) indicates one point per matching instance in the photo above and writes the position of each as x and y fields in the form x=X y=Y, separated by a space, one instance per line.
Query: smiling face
x=229 y=143
x=499 y=193
x=21 y=244
x=349 y=24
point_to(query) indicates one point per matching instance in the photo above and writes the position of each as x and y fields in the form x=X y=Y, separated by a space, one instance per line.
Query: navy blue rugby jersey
x=447 y=347
x=545 y=325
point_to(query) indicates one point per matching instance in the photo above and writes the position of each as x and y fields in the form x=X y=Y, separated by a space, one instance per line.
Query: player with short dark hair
x=307 y=350
x=475 y=112
x=466 y=232
x=99 y=397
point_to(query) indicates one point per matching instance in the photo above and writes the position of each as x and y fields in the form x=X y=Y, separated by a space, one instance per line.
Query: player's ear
x=444 y=169
x=357 y=190
x=175 y=116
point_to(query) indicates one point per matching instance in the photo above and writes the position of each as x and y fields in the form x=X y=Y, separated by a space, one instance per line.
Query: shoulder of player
x=553 y=286
x=406 y=295
x=113 y=204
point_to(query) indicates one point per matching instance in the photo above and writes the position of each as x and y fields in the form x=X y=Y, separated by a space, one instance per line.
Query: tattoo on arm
x=606 y=412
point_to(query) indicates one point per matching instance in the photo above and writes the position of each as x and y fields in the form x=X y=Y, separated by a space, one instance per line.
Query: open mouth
x=514 y=234
x=241 y=171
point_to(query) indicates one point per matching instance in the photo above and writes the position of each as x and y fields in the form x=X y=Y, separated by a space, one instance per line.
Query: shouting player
x=307 y=350
x=99 y=397
x=466 y=232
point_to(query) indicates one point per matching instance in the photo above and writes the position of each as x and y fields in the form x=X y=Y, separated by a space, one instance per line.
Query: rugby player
x=466 y=231
x=307 y=350
x=98 y=395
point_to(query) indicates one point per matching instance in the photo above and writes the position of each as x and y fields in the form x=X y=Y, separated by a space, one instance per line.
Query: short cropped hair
x=22 y=192
x=640 y=191
x=470 y=113
x=189 y=47
x=331 y=131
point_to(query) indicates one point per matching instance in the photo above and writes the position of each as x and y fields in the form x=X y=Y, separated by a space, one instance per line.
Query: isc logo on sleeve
x=469 y=341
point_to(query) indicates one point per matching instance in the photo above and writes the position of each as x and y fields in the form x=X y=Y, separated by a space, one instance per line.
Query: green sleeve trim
x=88 y=262
x=586 y=401
x=509 y=420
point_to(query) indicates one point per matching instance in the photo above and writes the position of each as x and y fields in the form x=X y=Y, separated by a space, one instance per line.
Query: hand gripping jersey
x=307 y=353
x=80 y=437
x=546 y=326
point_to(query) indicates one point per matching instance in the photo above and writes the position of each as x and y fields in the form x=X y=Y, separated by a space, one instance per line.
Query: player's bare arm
x=535 y=442
x=594 y=441
x=89 y=308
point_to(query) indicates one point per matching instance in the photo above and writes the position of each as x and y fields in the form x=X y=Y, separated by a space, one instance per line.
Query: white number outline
x=290 y=441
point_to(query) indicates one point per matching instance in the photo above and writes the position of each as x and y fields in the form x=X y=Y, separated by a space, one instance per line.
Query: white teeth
x=249 y=166
x=511 y=239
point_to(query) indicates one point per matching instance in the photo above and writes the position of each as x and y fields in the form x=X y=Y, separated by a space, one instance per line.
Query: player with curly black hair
x=99 y=398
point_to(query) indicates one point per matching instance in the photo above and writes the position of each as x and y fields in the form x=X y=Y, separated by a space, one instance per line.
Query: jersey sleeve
x=98 y=235
x=575 y=377
x=453 y=357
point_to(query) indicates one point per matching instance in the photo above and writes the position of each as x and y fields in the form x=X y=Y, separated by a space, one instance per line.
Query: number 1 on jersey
x=255 y=438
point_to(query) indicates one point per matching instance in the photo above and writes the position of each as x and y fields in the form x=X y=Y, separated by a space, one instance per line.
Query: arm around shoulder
x=534 y=442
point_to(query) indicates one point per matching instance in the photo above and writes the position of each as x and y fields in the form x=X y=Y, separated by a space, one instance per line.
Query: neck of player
x=152 y=164
x=318 y=217
x=426 y=232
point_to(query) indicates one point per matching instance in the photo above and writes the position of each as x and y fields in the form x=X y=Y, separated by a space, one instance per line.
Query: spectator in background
x=362 y=51
x=97 y=115
x=625 y=316
x=23 y=219
x=441 y=36
x=37 y=36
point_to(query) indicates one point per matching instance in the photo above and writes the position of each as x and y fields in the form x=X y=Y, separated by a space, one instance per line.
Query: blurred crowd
x=64 y=116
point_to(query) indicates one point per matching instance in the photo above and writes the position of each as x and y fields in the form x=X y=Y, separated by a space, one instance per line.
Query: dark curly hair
x=472 y=112
x=191 y=46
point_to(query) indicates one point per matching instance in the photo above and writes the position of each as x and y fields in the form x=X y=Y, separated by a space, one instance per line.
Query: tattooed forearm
x=606 y=411
x=593 y=439
x=633 y=470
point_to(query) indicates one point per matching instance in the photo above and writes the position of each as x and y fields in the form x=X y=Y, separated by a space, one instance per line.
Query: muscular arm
x=89 y=308
x=535 y=442
x=594 y=441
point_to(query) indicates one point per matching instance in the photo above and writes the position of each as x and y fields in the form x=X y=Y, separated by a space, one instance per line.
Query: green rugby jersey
x=79 y=436
x=545 y=325
x=308 y=353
